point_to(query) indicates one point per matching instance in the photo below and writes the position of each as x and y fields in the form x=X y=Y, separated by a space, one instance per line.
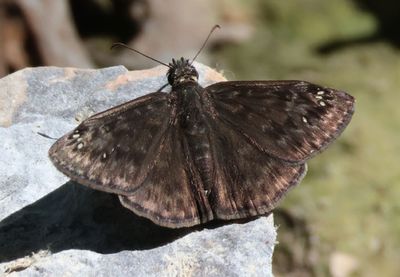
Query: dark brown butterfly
x=230 y=150
x=227 y=151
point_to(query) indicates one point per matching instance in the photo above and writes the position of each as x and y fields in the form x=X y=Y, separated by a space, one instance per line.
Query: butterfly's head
x=181 y=71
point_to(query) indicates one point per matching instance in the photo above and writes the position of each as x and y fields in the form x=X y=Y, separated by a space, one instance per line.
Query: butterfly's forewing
x=166 y=195
x=248 y=182
x=290 y=120
x=115 y=150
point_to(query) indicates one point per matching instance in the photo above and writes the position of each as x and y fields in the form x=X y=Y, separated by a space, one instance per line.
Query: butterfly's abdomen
x=194 y=126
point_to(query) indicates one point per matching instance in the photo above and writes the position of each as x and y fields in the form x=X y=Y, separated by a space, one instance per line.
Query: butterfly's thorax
x=192 y=113
x=190 y=110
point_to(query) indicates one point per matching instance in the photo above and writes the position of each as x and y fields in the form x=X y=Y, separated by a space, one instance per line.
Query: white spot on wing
x=321 y=92
x=264 y=128
x=322 y=103
x=80 y=145
x=305 y=119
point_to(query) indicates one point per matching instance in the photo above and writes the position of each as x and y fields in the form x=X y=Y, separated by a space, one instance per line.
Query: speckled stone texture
x=50 y=226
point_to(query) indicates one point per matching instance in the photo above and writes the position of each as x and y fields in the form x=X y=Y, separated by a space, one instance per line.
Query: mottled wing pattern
x=248 y=182
x=166 y=195
x=114 y=150
x=289 y=120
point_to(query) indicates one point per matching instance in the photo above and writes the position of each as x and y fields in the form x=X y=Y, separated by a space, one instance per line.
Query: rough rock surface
x=50 y=226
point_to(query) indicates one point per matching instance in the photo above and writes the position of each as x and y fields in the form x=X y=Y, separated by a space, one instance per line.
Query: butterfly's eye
x=171 y=77
x=195 y=74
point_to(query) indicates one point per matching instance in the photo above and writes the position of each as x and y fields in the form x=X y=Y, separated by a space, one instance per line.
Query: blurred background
x=343 y=220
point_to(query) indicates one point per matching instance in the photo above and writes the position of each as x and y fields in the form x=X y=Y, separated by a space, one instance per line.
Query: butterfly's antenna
x=134 y=50
x=205 y=42
x=46 y=136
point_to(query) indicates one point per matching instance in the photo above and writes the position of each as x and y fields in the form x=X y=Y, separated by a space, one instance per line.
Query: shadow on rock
x=77 y=217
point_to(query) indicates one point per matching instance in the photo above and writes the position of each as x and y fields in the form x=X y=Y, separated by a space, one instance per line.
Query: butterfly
x=227 y=151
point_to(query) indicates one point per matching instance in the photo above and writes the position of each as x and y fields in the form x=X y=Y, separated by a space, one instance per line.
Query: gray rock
x=50 y=226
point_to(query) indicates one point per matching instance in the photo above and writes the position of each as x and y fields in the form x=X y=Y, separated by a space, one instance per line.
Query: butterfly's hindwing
x=114 y=150
x=247 y=182
x=166 y=195
x=290 y=120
